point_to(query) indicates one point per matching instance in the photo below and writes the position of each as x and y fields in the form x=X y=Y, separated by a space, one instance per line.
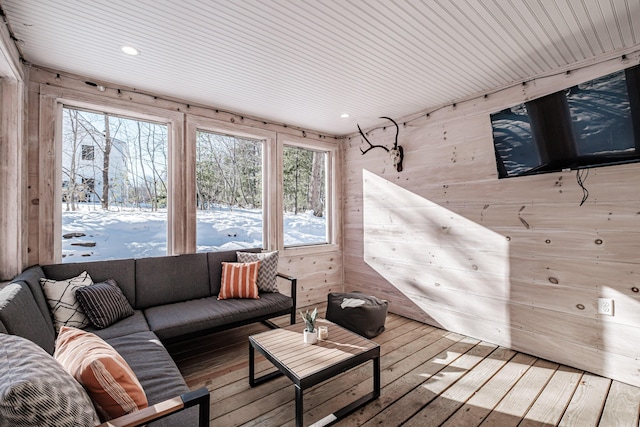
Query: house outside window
x=87 y=152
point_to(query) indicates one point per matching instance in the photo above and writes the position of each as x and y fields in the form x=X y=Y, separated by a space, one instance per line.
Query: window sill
x=308 y=250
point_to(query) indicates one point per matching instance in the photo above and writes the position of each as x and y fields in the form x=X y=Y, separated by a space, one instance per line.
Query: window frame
x=332 y=193
x=181 y=209
x=205 y=124
x=52 y=101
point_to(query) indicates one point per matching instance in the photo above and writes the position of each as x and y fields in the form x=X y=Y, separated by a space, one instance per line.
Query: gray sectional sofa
x=174 y=298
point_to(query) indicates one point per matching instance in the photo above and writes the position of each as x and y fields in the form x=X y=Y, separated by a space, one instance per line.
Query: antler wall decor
x=396 y=153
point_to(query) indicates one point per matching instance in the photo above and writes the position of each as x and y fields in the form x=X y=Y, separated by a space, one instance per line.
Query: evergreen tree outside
x=304 y=184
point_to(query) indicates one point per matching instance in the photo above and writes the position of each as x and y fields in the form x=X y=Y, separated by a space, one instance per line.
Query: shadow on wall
x=455 y=270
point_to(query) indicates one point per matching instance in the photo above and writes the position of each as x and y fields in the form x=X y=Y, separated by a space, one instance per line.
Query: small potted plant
x=310 y=334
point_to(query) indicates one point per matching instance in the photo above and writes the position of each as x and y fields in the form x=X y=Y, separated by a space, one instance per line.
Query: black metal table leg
x=252 y=381
x=376 y=377
x=299 y=406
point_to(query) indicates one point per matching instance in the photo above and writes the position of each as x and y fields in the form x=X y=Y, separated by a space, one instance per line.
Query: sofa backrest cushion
x=215 y=260
x=120 y=270
x=21 y=316
x=169 y=279
x=3 y=330
x=31 y=276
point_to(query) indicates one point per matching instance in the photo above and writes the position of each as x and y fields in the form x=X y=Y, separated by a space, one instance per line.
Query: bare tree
x=105 y=163
x=155 y=146
x=316 y=184
x=69 y=194
x=143 y=169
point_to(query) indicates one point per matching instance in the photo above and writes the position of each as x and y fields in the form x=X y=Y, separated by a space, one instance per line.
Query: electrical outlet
x=605 y=306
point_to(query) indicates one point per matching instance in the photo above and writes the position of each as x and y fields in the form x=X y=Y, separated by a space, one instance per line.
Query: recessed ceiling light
x=130 y=50
x=344 y=115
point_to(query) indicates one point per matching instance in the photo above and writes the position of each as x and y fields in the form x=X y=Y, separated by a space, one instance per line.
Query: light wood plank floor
x=430 y=377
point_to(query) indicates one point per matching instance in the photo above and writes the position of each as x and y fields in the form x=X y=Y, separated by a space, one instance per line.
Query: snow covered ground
x=124 y=233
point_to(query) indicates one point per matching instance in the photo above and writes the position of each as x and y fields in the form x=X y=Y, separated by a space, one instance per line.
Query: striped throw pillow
x=104 y=303
x=108 y=379
x=239 y=280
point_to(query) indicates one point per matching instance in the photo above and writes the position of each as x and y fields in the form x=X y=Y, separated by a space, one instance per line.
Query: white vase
x=310 y=337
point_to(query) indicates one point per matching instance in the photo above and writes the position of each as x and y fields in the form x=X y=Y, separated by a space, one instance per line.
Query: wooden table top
x=286 y=345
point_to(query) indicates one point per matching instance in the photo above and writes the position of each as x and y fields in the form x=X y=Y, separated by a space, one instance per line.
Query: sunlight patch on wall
x=618 y=333
x=454 y=269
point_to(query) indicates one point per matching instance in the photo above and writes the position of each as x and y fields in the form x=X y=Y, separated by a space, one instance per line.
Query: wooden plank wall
x=11 y=182
x=516 y=262
x=318 y=269
x=12 y=158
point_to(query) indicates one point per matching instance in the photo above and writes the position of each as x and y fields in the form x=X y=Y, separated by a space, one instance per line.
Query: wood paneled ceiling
x=305 y=62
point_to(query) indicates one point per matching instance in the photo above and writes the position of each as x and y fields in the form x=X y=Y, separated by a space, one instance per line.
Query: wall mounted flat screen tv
x=596 y=123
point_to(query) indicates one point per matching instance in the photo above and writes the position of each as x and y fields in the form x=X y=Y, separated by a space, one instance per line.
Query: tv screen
x=596 y=123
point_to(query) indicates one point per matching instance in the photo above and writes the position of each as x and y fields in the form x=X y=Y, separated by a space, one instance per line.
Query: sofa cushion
x=215 y=260
x=123 y=271
x=268 y=268
x=174 y=320
x=35 y=390
x=110 y=382
x=165 y=280
x=239 y=280
x=61 y=297
x=31 y=277
x=21 y=316
x=104 y=303
x=3 y=330
x=128 y=325
x=160 y=379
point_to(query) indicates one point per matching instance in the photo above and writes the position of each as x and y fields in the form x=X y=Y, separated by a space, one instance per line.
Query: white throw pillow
x=61 y=297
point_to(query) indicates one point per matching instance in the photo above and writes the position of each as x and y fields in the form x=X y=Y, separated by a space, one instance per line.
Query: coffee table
x=309 y=364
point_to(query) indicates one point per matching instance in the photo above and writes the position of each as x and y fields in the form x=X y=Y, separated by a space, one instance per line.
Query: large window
x=229 y=189
x=304 y=189
x=130 y=184
x=114 y=187
x=255 y=188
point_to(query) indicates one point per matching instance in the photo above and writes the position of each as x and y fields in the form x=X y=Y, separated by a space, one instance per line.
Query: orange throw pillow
x=239 y=280
x=108 y=379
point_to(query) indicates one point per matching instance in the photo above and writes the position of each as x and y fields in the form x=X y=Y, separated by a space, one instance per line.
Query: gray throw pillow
x=104 y=303
x=35 y=390
x=267 y=271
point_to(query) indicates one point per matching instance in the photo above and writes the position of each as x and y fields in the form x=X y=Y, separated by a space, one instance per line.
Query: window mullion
x=276 y=208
